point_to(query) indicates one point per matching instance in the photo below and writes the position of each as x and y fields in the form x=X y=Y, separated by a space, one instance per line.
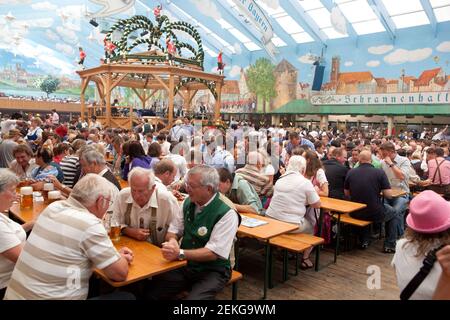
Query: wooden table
x=27 y=215
x=148 y=262
x=263 y=233
x=340 y=207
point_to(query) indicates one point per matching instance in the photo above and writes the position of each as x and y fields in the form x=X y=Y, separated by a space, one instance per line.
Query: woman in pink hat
x=428 y=228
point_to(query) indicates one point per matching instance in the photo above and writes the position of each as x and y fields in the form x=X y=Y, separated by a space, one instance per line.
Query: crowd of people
x=275 y=171
x=240 y=106
x=43 y=98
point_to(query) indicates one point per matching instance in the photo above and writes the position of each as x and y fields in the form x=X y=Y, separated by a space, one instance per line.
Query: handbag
x=428 y=263
x=440 y=188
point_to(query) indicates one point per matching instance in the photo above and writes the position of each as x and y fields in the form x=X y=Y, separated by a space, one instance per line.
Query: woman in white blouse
x=292 y=194
x=12 y=235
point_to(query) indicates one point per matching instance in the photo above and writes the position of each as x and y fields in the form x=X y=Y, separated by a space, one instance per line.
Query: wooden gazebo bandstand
x=174 y=80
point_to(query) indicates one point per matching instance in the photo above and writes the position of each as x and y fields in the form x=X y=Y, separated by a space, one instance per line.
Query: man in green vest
x=208 y=227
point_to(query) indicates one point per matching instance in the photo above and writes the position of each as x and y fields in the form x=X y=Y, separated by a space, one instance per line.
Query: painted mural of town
x=364 y=87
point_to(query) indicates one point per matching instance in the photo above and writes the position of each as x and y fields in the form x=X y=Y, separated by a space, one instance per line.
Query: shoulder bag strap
x=428 y=263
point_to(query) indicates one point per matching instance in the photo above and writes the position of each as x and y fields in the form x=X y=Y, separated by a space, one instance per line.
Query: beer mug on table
x=26 y=197
x=53 y=196
x=114 y=229
x=47 y=188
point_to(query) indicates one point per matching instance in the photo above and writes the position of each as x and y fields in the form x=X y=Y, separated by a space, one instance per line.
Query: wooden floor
x=345 y=280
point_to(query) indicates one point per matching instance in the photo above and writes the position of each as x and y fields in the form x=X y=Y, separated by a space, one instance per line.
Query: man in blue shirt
x=295 y=140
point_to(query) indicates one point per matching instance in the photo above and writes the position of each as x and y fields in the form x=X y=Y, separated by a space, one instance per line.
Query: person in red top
x=220 y=65
x=82 y=57
x=157 y=11
x=171 y=50
x=109 y=48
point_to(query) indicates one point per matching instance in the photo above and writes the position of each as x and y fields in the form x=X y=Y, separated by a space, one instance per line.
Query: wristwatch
x=391 y=165
x=181 y=255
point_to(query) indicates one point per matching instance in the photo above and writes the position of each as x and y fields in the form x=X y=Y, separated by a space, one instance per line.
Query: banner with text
x=383 y=98
x=251 y=10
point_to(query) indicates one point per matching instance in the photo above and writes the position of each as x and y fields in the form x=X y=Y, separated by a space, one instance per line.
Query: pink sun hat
x=429 y=213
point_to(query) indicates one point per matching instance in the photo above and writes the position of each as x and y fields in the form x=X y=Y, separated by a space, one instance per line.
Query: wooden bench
x=235 y=277
x=345 y=218
x=297 y=243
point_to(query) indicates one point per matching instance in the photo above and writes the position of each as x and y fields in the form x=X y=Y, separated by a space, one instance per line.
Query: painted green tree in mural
x=261 y=80
x=49 y=85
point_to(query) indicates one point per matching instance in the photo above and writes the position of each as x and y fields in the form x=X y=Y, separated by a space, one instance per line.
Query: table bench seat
x=347 y=219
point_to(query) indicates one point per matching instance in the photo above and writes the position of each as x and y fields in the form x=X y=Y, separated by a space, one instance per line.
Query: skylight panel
x=278 y=42
x=311 y=4
x=411 y=20
x=269 y=10
x=357 y=11
x=251 y=46
x=439 y=3
x=399 y=7
x=210 y=52
x=224 y=24
x=333 y=34
x=239 y=35
x=368 y=27
x=289 y=25
x=222 y=42
x=442 y=14
x=302 y=37
x=321 y=17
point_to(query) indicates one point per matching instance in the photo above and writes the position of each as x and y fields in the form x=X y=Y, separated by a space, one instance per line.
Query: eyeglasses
x=189 y=186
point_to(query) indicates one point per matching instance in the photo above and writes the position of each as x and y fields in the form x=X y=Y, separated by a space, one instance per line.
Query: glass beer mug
x=47 y=188
x=114 y=229
x=53 y=196
x=26 y=197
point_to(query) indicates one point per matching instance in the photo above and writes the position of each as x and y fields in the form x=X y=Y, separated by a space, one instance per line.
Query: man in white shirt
x=208 y=227
x=165 y=172
x=144 y=210
x=9 y=124
x=24 y=163
x=70 y=240
x=397 y=169
x=177 y=152
x=176 y=132
x=55 y=117
x=165 y=145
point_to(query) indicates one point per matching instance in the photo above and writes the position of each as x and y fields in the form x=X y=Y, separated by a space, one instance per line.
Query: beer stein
x=26 y=197
x=53 y=196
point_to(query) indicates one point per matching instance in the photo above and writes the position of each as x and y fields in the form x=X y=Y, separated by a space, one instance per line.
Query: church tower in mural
x=335 y=66
x=286 y=76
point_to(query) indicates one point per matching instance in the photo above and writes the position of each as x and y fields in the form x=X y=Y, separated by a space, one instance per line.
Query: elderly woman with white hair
x=12 y=235
x=292 y=193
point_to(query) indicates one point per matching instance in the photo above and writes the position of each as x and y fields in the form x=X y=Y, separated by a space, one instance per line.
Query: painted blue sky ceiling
x=386 y=37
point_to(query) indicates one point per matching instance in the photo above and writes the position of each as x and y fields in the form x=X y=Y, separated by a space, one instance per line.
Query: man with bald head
x=365 y=184
x=143 y=210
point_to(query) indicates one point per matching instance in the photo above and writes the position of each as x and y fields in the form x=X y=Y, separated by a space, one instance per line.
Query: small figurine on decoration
x=109 y=49
x=157 y=11
x=82 y=57
x=171 y=50
x=220 y=64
